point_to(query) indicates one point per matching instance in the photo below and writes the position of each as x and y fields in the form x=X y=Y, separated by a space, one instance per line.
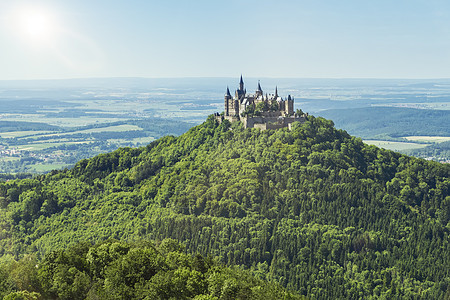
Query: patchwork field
x=428 y=139
x=43 y=146
x=63 y=121
x=42 y=168
x=142 y=140
x=395 y=146
x=9 y=159
x=117 y=128
x=19 y=134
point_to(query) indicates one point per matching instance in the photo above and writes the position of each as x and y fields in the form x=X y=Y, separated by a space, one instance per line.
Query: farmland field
x=395 y=146
x=42 y=167
x=18 y=134
x=65 y=122
x=9 y=158
x=42 y=146
x=428 y=139
x=117 y=128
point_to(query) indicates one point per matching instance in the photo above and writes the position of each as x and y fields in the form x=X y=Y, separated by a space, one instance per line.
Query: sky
x=59 y=39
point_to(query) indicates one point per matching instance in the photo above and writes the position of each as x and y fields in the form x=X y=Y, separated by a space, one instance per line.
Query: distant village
x=21 y=154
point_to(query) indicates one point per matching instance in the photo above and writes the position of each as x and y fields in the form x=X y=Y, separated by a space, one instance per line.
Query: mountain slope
x=312 y=208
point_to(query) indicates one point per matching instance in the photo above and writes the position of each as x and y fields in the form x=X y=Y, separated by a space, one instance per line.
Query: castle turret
x=235 y=110
x=289 y=108
x=228 y=98
x=240 y=93
x=259 y=91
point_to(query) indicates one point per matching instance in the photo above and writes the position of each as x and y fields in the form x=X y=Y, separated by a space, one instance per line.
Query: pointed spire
x=289 y=97
x=241 y=84
x=259 y=87
x=276 y=92
x=228 y=92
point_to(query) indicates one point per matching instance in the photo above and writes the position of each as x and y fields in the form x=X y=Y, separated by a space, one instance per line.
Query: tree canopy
x=313 y=208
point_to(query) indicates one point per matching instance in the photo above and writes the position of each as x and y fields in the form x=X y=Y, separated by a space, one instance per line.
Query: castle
x=269 y=111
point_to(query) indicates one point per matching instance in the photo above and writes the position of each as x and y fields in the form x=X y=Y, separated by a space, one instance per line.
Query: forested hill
x=312 y=208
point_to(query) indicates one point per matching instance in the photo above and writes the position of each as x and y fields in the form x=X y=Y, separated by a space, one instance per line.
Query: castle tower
x=289 y=106
x=259 y=91
x=240 y=93
x=228 y=99
x=235 y=110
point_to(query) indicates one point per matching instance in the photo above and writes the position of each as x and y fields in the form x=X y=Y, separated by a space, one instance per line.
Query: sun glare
x=43 y=32
x=36 y=25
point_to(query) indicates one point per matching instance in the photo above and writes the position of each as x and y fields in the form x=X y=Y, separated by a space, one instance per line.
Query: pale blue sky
x=180 y=38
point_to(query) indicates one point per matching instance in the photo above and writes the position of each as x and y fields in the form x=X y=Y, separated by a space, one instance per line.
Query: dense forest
x=313 y=209
x=19 y=126
x=142 y=270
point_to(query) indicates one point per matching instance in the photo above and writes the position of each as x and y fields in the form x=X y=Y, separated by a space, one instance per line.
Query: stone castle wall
x=270 y=122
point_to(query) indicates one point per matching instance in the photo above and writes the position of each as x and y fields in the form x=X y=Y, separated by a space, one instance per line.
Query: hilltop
x=312 y=208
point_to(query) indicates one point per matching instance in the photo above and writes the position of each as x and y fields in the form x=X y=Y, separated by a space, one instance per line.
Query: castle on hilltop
x=269 y=111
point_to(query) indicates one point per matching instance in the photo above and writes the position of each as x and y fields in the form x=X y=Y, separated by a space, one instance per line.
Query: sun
x=36 y=25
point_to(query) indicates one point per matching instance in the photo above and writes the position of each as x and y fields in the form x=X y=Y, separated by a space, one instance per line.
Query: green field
x=428 y=139
x=116 y=128
x=41 y=168
x=55 y=140
x=9 y=158
x=64 y=122
x=395 y=146
x=18 y=134
x=42 y=146
x=141 y=140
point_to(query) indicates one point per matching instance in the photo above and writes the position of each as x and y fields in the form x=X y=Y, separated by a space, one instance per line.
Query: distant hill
x=7 y=126
x=314 y=209
x=382 y=122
